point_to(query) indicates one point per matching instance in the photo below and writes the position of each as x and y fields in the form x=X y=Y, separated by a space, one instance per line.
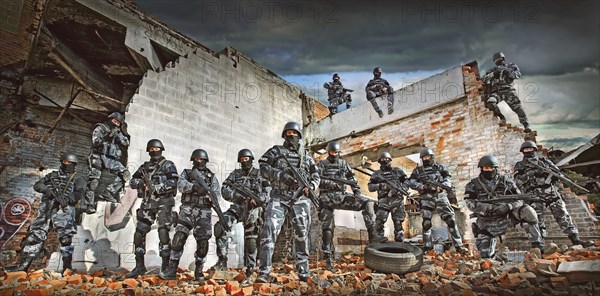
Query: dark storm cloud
x=305 y=37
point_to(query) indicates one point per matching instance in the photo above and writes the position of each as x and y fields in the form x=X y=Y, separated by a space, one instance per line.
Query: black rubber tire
x=393 y=257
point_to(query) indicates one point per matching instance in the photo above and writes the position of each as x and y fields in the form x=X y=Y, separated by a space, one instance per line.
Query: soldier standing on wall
x=494 y=218
x=247 y=190
x=156 y=183
x=108 y=141
x=378 y=87
x=288 y=197
x=335 y=174
x=61 y=189
x=337 y=94
x=387 y=181
x=498 y=87
x=534 y=175
x=432 y=180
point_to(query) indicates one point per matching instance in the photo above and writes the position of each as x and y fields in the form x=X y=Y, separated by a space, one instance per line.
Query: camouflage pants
x=277 y=209
x=560 y=214
x=372 y=98
x=196 y=219
x=334 y=102
x=398 y=211
x=96 y=165
x=489 y=228
x=438 y=202
x=341 y=201
x=252 y=221
x=50 y=216
x=164 y=217
x=511 y=99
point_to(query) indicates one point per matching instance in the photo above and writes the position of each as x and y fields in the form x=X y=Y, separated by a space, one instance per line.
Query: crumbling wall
x=459 y=128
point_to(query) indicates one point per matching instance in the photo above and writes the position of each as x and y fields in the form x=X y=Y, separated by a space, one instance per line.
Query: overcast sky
x=555 y=43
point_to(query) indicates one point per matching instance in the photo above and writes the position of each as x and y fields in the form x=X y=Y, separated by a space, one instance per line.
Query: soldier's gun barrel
x=303 y=184
x=512 y=198
x=214 y=198
x=245 y=192
x=559 y=175
x=57 y=194
x=351 y=183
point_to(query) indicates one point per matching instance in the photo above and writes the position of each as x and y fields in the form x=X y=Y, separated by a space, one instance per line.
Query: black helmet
x=118 y=116
x=528 y=144
x=377 y=70
x=245 y=152
x=334 y=146
x=155 y=143
x=385 y=155
x=425 y=152
x=335 y=75
x=69 y=156
x=497 y=56
x=488 y=160
x=291 y=126
x=199 y=153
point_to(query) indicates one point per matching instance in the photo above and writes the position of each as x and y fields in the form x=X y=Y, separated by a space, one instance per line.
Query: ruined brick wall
x=460 y=130
x=22 y=154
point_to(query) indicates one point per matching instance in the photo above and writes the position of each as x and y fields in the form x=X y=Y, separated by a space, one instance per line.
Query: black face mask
x=293 y=141
x=155 y=155
x=428 y=162
x=246 y=165
x=529 y=154
x=333 y=157
x=68 y=168
x=386 y=165
x=488 y=175
x=500 y=62
x=200 y=164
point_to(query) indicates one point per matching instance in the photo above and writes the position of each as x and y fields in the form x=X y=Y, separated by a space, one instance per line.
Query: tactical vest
x=393 y=173
x=252 y=180
x=60 y=179
x=299 y=161
x=335 y=169
x=109 y=149
x=496 y=186
x=193 y=198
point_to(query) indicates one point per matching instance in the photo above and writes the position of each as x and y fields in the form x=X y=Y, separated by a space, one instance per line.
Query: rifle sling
x=489 y=192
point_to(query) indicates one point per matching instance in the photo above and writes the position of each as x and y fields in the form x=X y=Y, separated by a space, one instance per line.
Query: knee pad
x=219 y=231
x=492 y=100
x=93 y=184
x=370 y=95
x=201 y=248
x=450 y=222
x=527 y=214
x=125 y=175
x=32 y=240
x=178 y=241
x=65 y=241
x=251 y=245
x=327 y=236
x=426 y=225
x=390 y=90
x=370 y=207
x=163 y=235
x=138 y=238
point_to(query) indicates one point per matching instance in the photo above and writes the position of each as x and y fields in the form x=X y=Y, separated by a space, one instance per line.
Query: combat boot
x=399 y=237
x=539 y=246
x=221 y=264
x=374 y=237
x=263 y=278
x=574 y=237
x=67 y=263
x=24 y=266
x=198 y=275
x=169 y=273
x=249 y=271
x=140 y=267
x=329 y=262
x=427 y=243
x=165 y=263
x=380 y=113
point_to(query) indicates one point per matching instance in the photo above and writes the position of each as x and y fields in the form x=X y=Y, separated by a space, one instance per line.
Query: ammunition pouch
x=195 y=199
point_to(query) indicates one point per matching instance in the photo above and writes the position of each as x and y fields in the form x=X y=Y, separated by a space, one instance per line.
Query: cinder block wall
x=218 y=103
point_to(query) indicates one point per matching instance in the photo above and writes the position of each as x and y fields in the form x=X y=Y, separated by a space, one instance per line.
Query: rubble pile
x=573 y=271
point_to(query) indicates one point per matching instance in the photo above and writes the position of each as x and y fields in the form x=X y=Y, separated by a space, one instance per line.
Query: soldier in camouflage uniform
x=434 y=198
x=337 y=94
x=194 y=214
x=493 y=219
x=532 y=180
x=62 y=190
x=287 y=198
x=107 y=142
x=156 y=184
x=244 y=209
x=334 y=197
x=498 y=87
x=378 y=87
x=390 y=200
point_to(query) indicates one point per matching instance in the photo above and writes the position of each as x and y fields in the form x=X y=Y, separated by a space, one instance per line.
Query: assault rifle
x=352 y=184
x=527 y=197
x=448 y=189
x=303 y=181
x=214 y=198
x=147 y=184
x=58 y=196
x=396 y=186
x=555 y=173
x=245 y=191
